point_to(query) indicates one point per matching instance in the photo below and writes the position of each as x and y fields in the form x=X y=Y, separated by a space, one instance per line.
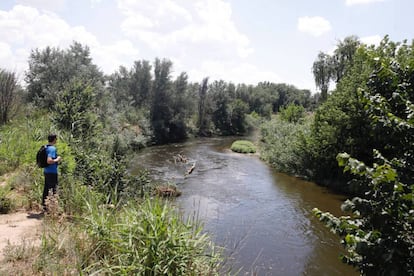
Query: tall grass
x=150 y=239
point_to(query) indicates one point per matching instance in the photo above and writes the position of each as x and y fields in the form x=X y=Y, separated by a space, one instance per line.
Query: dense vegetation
x=366 y=124
x=103 y=220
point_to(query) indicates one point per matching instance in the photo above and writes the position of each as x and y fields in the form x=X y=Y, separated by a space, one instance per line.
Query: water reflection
x=262 y=217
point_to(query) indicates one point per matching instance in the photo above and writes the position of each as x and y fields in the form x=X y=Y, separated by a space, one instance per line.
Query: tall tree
x=343 y=56
x=202 y=108
x=340 y=125
x=8 y=95
x=179 y=108
x=220 y=97
x=140 y=85
x=51 y=69
x=161 y=114
x=322 y=72
x=119 y=86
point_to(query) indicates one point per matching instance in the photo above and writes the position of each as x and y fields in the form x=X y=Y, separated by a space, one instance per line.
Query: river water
x=262 y=218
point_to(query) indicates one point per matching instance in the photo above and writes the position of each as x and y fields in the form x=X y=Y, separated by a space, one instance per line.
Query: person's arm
x=50 y=160
x=51 y=153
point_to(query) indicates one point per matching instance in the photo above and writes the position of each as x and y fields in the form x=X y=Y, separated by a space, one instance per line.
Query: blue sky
x=241 y=41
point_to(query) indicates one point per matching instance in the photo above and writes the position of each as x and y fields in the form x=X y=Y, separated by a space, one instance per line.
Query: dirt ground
x=16 y=227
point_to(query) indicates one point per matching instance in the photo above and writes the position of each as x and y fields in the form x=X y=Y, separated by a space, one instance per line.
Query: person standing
x=51 y=171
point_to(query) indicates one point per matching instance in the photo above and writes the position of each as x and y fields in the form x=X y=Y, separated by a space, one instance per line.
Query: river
x=263 y=218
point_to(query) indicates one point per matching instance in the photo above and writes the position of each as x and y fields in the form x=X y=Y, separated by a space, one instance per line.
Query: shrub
x=5 y=202
x=243 y=146
x=283 y=145
x=292 y=113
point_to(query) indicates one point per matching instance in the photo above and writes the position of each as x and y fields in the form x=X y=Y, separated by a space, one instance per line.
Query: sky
x=239 y=41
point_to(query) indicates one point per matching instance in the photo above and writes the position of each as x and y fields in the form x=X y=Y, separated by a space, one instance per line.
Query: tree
x=378 y=235
x=140 y=85
x=202 y=124
x=119 y=87
x=322 y=72
x=220 y=106
x=51 y=69
x=343 y=56
x=327 y=68
x=238 y=110
x=8 y=95
x=341 y=125
x=292 y=113
x=76 y=110
x=161 y=114
x=180 y=105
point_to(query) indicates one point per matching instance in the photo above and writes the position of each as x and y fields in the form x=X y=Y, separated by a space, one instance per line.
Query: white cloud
x=51 y=5
x=25 y=28
x=198 y=27
x=110 y=57
x=95 y=2
x=5 y=51
x=372 y=40
x=361 y=2
x=233 y=72
x=315 y=26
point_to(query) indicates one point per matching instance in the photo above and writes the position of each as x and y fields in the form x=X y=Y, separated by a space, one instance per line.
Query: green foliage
x=220 y=99
x=5 y=201
x=322 y=72
x=292 y=113
x=341 y=125
x=378 y=235
x=150 y=240
x=243 y=146
x=180 y=102
x=327 y=67
x=19 y=142
x=282 y=145
x=9 y=95
x=74 y=110
x=161 y=114
x=238 y=111
x=51 y=69
x=203 y=106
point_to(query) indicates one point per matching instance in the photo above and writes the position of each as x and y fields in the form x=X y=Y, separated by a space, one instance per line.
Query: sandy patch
x=16 y=227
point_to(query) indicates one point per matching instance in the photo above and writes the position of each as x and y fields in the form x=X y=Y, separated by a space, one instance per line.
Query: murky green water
x=262 y=217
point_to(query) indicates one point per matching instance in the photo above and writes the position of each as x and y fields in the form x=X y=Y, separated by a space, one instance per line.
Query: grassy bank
x=103 y=220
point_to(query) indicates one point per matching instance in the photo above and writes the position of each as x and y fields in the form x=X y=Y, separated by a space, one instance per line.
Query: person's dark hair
x=51 y=137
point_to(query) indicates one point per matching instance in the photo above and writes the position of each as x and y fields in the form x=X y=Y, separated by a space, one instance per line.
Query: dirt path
x=16 y=227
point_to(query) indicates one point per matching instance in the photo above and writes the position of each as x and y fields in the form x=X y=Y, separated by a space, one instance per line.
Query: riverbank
x=16 y=230
x=261 y=217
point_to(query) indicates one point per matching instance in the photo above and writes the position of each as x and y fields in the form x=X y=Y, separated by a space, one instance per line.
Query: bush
x=243 y=146
x=5 y=202
x=292 y=113
x=283 y=145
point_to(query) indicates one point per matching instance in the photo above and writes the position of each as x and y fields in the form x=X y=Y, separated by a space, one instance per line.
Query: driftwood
x=191 y=169
x=167 y=191
x=180 y=158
